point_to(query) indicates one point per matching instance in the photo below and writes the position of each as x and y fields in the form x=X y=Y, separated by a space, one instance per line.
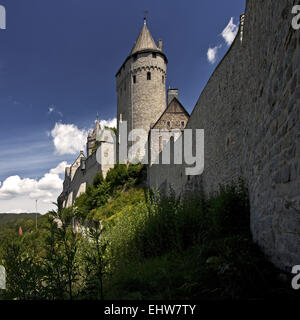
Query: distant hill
x=13 y=217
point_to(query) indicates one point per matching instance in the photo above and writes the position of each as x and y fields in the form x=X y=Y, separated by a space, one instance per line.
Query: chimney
x=172 y=93
x=160 y=44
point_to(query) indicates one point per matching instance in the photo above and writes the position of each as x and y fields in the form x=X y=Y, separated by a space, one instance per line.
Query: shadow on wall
x=249 y=111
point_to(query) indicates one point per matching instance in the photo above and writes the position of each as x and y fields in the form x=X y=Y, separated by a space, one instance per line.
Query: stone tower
x=141 y=80
x=92 y=138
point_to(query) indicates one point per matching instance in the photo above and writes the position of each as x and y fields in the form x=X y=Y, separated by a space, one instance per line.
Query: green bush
x=193 y=247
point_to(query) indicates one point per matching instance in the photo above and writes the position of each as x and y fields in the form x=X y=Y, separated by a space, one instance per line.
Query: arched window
x=148 y=75
x=169 y=124
x=134 y=78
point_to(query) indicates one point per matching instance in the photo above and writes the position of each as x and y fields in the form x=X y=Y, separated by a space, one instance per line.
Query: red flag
x=20 y=231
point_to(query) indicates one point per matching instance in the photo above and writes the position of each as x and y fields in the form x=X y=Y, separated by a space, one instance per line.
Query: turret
x=92 y=138
x=141 y=82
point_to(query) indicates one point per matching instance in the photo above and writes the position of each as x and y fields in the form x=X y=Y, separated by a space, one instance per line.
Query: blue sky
x=58 y=59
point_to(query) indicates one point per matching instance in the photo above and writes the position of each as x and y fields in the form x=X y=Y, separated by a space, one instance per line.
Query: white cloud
x=212 y=54
x=112 y=123
x=17 y=191
x=230 y=32
x=60 y=168
x=228 y=35
x=17 y=211
x=68 y=139
x=53 y=110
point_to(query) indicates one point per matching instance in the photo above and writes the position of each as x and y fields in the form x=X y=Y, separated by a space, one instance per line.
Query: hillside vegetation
x=138 y=244
x=13 y=220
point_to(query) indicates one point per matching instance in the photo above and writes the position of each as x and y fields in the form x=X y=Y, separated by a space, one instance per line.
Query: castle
x=250 y=113
x=141 y=101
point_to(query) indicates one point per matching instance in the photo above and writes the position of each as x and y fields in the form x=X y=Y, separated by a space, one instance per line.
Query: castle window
x=182 y=123
x=135 y=57
x=153 y=55
x=134 y=79
x=163 y=79
x=148 y=75
x=169 y=124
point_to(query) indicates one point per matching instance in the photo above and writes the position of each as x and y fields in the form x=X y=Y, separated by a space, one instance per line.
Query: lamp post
x=36 y=214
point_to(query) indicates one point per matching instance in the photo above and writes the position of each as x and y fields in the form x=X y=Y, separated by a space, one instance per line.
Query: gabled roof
x=174 y=107
x=81 y=155
x=144 y=41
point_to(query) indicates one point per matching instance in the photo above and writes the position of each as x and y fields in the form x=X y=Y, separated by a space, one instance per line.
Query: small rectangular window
x=153 y=55
x=135 y=57
x=163 y=79
x=148 y=75
x=134 y=78
x=182 y=123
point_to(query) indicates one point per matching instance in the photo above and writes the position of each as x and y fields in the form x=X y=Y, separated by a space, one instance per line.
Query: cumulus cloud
x=212 y=54
x=47 y=187
x=60 y=169
x=112 y=123
x=230 y=32
x=68 y=138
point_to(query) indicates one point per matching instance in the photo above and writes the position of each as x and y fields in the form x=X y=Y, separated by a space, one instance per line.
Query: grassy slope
x=184 y=253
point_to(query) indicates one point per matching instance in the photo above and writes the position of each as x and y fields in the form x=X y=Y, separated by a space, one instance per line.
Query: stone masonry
x=249 y=111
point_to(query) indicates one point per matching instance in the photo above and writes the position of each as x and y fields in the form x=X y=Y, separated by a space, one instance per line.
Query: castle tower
x=92 y=137
x=141 y=88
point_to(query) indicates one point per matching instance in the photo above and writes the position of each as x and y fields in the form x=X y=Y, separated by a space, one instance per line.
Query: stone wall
x=76 y=184
x=249 y=111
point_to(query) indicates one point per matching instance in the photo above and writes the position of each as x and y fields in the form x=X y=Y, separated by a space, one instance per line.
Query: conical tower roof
x=144 y=41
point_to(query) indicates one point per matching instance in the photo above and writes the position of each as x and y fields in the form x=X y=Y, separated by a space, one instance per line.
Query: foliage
x=186 y=248
x=97 y=195
x=136 y=244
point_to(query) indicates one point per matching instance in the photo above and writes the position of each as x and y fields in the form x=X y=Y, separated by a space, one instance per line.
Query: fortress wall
x=249 y=110
x=83 y=178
